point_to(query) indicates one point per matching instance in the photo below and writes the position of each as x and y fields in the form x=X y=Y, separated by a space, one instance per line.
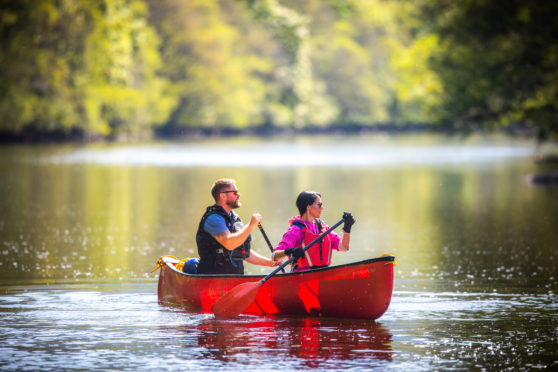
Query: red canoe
x=357 y=290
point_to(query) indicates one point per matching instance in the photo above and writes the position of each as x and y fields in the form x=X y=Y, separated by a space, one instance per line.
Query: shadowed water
x=82 y=226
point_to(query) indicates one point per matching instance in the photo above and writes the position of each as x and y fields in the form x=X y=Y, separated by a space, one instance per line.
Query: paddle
x=267 y=240
x=240 y=297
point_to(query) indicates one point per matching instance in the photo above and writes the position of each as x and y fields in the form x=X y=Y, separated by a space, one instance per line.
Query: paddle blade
x=236 y=300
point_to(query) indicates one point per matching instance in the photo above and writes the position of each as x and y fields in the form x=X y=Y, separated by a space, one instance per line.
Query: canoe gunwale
x=169 y=262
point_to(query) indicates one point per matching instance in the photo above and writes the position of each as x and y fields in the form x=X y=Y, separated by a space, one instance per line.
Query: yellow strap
x=160 y=264
x=180 y=264
x=394 y=262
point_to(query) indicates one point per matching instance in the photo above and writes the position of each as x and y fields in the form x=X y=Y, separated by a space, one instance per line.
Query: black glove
x=297 y=252
x=349 y=221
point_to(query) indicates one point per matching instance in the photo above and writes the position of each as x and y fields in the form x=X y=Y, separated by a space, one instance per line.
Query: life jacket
x=317 y=255
x=214 y=258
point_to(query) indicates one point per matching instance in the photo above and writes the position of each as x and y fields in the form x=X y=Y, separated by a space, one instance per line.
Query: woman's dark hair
x=305 y=199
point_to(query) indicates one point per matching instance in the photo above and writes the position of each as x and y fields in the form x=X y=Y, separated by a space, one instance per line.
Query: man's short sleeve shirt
x=215 y=224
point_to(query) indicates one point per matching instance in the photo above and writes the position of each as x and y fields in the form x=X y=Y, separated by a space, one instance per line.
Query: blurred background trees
x=80 y=66
x=498 y=61
x=128 y=68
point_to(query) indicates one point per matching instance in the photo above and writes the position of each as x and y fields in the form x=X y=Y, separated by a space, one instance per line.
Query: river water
x=475 y=287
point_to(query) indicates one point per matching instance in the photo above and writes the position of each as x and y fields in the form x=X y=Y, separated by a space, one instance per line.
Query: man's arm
x=234 y=240
x=258 y=259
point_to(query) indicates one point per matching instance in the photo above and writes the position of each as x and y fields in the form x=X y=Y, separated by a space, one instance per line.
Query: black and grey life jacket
x=214 y=258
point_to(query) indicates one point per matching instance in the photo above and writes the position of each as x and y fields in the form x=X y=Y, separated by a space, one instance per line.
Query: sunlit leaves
x=497 y=61
x=124 y=92
x=418 y=88
x=80 y=65
x=215 y=74
x=125 y=67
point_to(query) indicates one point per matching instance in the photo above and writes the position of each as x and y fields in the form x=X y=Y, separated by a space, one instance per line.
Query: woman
x=306 y=227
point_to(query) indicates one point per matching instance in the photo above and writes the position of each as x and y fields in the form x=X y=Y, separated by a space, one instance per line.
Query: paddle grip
x=305 y=249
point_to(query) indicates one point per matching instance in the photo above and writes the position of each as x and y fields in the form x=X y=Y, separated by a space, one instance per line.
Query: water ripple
x=121 y=327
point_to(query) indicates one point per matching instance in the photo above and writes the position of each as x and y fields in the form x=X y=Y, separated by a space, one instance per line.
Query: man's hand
x=255 y=220
x=233 y=240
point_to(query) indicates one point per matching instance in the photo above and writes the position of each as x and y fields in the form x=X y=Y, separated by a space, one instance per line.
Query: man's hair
x=305 y=199
x=220 y=185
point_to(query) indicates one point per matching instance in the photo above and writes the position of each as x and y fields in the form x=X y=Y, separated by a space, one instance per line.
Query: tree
x=498 y=61
x=123 y=90
x=76 y=65
x=216 y=73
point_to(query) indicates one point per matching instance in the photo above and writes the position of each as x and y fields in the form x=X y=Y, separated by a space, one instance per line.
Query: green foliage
x=498 y=61
x=215 y=70
x=76 y=64
x=37 y=65
x=123 y=92
x=418 y=89
x=352 y=44
x=121 y=68
x=351 y=58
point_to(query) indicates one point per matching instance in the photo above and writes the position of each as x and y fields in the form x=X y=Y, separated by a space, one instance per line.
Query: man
x=223 y=240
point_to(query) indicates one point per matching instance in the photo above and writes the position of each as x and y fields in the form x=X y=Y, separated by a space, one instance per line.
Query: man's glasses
x=235 y=192
x=319 y=205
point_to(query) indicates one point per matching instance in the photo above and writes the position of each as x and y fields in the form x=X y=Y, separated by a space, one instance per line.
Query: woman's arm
x=289 y=240
x=277 y=255
x=345 y=242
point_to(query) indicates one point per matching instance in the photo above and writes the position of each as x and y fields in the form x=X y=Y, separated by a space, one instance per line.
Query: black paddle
x=240 y=297
x=267 y=240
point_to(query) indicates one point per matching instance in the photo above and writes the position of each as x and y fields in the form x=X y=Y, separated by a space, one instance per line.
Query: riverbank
x=33 y=136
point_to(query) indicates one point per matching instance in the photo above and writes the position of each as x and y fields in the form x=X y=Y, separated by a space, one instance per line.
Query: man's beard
x=234 y=204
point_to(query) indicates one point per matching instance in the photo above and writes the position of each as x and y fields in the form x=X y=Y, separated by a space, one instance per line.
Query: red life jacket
x=317 y=255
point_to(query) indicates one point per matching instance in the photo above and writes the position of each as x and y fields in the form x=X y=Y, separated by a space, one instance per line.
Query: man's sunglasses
x=235 y=192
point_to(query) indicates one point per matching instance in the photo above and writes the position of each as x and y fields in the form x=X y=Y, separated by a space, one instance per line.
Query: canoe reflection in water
x=314 y=340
